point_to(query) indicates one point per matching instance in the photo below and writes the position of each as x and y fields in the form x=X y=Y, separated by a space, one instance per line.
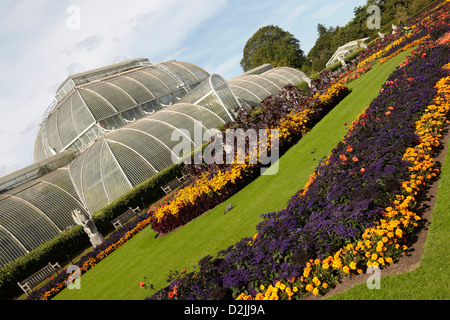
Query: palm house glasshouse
x=108 y=130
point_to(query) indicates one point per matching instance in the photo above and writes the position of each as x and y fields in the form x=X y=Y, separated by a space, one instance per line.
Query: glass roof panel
x=66 y=126
x=136 y=90
x=97 y=105
x=25 y=223
x=113 y=95
x=135 y=168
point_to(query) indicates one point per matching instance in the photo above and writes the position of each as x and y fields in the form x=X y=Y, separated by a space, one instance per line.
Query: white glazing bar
x=117 y=163
x=39 y=211
x=130 y=148
x=101 y=171
x=14 y=238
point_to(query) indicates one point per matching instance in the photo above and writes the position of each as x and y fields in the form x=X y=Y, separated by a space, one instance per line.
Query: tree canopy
x=271 y=44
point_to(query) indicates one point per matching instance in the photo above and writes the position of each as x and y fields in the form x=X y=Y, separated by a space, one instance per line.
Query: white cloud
x=227 y=68
x=293 y=15
x=40 y=49
x=328 y=10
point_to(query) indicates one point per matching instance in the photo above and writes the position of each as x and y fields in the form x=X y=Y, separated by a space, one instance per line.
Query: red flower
x=343 y=157
x=349 y=148
x=410 y=79
x=175 y=289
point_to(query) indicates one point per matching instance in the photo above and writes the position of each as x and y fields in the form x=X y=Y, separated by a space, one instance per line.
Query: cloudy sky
x=44 y=41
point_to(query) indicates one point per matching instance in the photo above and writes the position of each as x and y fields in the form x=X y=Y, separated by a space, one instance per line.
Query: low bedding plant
x=290 y=112
x=357 y=209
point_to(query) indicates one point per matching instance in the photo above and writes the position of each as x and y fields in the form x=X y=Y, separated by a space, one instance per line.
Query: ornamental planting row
x=364 y=191
x=216 y=183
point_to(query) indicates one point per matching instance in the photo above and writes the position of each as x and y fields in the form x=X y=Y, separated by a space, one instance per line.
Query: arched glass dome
x=35 y=212
x=215 y=95
x=252 y=87
x=111 y=129
x=126 y=157
x=109 y=98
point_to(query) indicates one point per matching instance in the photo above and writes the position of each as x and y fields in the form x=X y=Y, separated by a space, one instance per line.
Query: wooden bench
x=125 y=217
x=169 y=187
x=32 y=281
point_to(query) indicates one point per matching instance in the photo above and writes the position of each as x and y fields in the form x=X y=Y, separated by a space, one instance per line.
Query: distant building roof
x=346 y=49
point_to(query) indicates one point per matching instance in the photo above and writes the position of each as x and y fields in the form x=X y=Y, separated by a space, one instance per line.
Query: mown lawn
x=118 y=276
x=431 y=280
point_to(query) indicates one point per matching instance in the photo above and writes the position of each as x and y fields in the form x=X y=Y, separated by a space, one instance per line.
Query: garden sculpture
x=86 y=222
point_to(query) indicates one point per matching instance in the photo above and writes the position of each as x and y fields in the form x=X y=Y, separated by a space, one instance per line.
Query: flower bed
x=354 y=73
x=348 y=196
x=385 y=241
x=198 y=197
x=215 y=186
x=88 y=261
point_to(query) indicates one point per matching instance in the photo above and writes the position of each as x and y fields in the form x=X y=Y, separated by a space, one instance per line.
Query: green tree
x=271 y=44
x=321 y=30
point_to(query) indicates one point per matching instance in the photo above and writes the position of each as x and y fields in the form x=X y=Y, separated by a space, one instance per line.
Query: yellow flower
x=315 y=291
x=353 y=265
x=316 y=281
x=346 y=269
x=309 y=287
x=306 y=272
